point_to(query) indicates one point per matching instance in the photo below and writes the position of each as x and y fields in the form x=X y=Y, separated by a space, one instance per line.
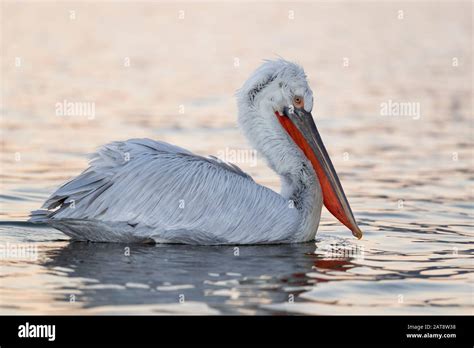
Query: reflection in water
x=335 y=276
x=170 y=274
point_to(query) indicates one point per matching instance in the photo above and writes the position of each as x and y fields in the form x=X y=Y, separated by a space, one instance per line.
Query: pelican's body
x=142 y=190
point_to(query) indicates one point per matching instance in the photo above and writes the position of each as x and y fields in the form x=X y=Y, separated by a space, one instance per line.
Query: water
x=409 y=178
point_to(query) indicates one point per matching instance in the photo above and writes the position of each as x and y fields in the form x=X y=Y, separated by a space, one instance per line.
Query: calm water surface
x=409 y=178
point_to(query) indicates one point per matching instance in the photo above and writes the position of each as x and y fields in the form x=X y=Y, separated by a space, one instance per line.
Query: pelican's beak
x=300 y=126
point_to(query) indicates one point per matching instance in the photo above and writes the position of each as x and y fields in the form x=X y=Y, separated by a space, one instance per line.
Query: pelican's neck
x=299 y=183
x=304 y=193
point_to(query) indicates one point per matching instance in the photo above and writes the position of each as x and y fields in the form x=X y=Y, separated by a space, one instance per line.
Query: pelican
x=142 y=190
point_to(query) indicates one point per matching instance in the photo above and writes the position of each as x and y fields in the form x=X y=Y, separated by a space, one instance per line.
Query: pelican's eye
x=298 y=102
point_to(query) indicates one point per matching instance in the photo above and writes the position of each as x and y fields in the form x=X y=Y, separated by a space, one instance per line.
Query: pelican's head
x=275 y=106
x=277 y=84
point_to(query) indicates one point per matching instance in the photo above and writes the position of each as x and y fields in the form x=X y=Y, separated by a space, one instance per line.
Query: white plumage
x=142 y=190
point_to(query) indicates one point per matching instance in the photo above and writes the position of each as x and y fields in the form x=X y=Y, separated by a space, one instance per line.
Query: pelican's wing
x=150 y=189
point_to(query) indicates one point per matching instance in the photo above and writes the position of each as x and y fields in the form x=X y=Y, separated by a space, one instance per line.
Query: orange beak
x=301 y=128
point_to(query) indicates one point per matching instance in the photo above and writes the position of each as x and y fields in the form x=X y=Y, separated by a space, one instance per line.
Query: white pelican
x=141 y=190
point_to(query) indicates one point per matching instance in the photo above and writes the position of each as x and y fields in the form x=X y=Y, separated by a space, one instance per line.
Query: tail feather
x=40 y=216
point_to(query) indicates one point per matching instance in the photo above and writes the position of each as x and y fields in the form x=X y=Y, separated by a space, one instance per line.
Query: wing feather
x=167 y=193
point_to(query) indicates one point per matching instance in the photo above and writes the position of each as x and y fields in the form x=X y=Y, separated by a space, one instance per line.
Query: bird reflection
x=121 y=274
